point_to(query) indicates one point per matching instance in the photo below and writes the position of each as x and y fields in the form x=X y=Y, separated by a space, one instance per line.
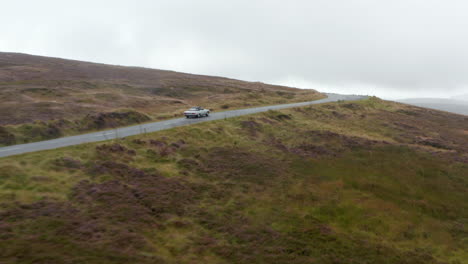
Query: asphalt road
x=156 y=126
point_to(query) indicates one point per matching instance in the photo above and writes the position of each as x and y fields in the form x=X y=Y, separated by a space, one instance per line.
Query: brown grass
x=41 y=88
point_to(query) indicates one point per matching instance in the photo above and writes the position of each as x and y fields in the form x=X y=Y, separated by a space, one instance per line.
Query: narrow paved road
x=156 y=126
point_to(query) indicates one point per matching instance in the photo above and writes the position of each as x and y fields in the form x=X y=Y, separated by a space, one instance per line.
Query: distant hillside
x=42 y=88
x=348 y=182
x=458 y=106
x=55 y=96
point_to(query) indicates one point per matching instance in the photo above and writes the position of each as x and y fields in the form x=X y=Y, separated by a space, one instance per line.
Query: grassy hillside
x=52 y=97
x=351 y=182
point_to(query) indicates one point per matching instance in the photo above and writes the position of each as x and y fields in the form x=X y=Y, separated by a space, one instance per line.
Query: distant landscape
x=458 y=105
x=44 y=98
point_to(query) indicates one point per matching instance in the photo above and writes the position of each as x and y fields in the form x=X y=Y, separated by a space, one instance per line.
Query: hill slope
x=57 y=97
x=353 y=182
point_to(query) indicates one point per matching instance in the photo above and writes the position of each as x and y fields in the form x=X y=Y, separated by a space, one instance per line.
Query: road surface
x=156 y=126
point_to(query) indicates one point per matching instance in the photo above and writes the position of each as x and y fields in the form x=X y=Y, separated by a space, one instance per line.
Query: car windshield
x=193 y=109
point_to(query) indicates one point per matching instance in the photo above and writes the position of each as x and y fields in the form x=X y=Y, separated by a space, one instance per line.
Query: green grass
x=332 y=183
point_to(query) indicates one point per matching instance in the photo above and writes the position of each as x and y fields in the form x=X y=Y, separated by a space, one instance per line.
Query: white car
x=196 y=111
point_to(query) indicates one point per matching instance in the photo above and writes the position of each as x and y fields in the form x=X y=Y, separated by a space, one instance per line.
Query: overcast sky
x=389 y=48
